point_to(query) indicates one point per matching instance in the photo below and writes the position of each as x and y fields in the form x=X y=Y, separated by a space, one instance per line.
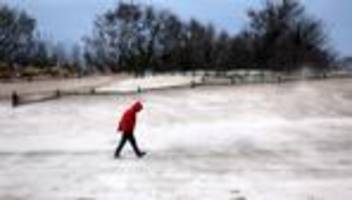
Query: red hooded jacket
x=128 y=120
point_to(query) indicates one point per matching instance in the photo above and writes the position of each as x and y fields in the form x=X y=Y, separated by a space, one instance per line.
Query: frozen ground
x=261 y=142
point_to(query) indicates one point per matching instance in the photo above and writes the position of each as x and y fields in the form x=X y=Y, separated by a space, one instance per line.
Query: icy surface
x=261 y=142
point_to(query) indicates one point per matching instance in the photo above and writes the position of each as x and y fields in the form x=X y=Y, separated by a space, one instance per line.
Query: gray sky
x=68 y=21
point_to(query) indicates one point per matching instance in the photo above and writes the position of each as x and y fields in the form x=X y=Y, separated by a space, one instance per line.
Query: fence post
x=57 y=93
x=92 y=91
x=193 y=84
x=279 y=79
x=15 y=99
x=325 y=75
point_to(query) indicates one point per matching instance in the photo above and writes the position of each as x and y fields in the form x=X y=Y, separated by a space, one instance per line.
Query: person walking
x=126 y=126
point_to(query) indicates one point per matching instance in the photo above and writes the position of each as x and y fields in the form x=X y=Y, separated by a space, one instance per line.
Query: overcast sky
x=68 y=21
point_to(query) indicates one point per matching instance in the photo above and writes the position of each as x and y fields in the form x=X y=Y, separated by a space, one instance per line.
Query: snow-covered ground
x=260 y=142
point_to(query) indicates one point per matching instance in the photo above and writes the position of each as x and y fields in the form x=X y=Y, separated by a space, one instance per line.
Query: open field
x=289 y=141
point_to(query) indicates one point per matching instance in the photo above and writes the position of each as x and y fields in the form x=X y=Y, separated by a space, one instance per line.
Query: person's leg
x=121 y=144
x=134 y=145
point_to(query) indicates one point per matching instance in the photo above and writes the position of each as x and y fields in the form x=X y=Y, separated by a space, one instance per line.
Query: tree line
x=280 y=36
x=23 y=51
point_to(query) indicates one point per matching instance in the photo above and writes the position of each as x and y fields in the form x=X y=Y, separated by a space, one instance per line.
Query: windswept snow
x=261 y=142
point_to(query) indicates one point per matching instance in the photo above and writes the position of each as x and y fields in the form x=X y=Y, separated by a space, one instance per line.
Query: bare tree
x=136 y=38
x=285 y=38
x=16 y=35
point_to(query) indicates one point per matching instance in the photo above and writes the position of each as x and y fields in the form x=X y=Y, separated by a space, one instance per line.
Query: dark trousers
x=127 y=137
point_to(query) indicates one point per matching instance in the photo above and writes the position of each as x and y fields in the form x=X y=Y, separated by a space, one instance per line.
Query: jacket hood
x=137 y=106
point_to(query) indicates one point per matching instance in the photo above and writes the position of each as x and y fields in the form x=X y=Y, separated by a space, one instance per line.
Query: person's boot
x=116 y=156
x=141 y=154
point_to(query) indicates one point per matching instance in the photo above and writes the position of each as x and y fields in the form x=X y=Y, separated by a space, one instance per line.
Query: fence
x=207 y=79
x=19 y=99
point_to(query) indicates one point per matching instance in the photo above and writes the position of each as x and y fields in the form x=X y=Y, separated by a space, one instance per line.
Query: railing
x=207 y=79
